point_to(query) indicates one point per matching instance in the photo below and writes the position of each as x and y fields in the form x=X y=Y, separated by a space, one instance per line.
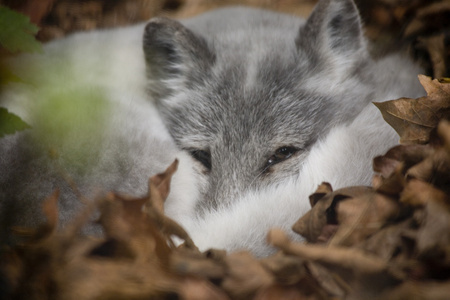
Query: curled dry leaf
x=413 y=119
x=186 y=261
x=346 y=216
x=275 y=292
x=419 y=290
x=159 y=187
x=323 y=189
x=245 y=276
x=392 y=185
x=435 y=47
x=433 y=236
x=419 y=193
x=352 y=265
x=433 y=169
x=393 y=166
x=407 y=155
x=318 y=253
x=287 y=269
x=320 y=222
x=195 y=289
x=444 y=132
x=361 y=216
x=437 y=12
x=389 y=242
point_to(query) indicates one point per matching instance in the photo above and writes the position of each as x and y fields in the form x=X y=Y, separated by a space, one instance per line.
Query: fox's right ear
x=174 y=55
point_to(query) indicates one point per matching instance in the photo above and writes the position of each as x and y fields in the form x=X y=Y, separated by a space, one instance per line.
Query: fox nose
x=226 y=187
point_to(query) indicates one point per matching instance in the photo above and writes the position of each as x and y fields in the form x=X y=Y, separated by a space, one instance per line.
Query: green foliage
x=16 y=32
x=70 y=124
x=10 y=123
x=16 y=35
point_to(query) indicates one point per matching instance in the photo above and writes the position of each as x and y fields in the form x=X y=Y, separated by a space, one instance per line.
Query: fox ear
x=333 y=29
x=173 y=54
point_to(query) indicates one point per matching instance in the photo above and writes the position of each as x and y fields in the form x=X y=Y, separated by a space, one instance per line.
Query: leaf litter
x=388 y=241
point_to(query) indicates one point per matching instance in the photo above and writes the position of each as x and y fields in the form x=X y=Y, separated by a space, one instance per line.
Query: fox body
x=259 y=107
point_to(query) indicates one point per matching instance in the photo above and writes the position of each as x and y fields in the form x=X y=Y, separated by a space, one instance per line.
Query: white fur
x=343 y=158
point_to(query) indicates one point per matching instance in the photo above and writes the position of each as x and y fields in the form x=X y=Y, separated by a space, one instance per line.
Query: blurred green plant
x=70 y=124
x=17 y=32
x=10 y=123
x=16 y=35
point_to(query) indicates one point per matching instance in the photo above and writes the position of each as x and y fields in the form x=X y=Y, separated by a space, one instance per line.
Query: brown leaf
x=419 y=290
x=385 y=165
x=389 y=241
x=434 y=169
x=392 y=167
x=339 y=256
x=434 y=234
x=197 y=289
x=413 y=119
x=365 y=272
x=408 y=155
x=158 y=190
x=319 y=221
x=332 y=284
x=429 y=18
x=361 y=216
x=286 y=269
x=186 y=261
x=323 y=189
x=444 y=134
x=419 y=193
x=346 y=216
x=245 y=275
x=277 y=292
x=392 y=185
x=435 y=47
x=159 y=186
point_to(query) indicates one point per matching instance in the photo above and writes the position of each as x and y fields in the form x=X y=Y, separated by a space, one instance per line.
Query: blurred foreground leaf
x=10 y=123
x=16 y=32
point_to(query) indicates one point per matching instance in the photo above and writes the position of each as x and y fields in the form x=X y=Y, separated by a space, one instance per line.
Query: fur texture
x=260 y=107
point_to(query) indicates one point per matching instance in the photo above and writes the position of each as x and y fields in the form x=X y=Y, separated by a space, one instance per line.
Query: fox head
x=248 y=93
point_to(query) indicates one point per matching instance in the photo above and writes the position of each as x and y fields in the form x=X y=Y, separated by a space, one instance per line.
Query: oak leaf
x=413 y=119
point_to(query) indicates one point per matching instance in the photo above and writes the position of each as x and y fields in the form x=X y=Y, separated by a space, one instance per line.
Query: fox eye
x=281 y=154
x=203 y=157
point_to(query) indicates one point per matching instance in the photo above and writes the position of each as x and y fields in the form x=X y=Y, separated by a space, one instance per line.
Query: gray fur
x=251 y=96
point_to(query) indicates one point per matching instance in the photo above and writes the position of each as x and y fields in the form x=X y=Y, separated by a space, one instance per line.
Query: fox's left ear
x=333 y=29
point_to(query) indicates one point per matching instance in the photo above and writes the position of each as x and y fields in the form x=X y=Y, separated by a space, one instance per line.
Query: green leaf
x=10 y=123
x=16 y=32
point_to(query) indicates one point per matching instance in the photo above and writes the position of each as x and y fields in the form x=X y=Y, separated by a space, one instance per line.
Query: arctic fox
x=259 y=107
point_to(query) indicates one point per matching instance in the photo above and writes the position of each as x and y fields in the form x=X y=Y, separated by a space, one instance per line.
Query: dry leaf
x=245 y=276
x=277 y=292
x=413 y=119
x=195 y=289
x=186 y=261
x=323 y=189
x=361 y=216
x=286 y=269
x=434 y=234
x=419 y=193
x=364 y=271
x=388 y=242
x=319 y=224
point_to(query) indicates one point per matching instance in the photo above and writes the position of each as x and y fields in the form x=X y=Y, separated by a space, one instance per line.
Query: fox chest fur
x=259 y=107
